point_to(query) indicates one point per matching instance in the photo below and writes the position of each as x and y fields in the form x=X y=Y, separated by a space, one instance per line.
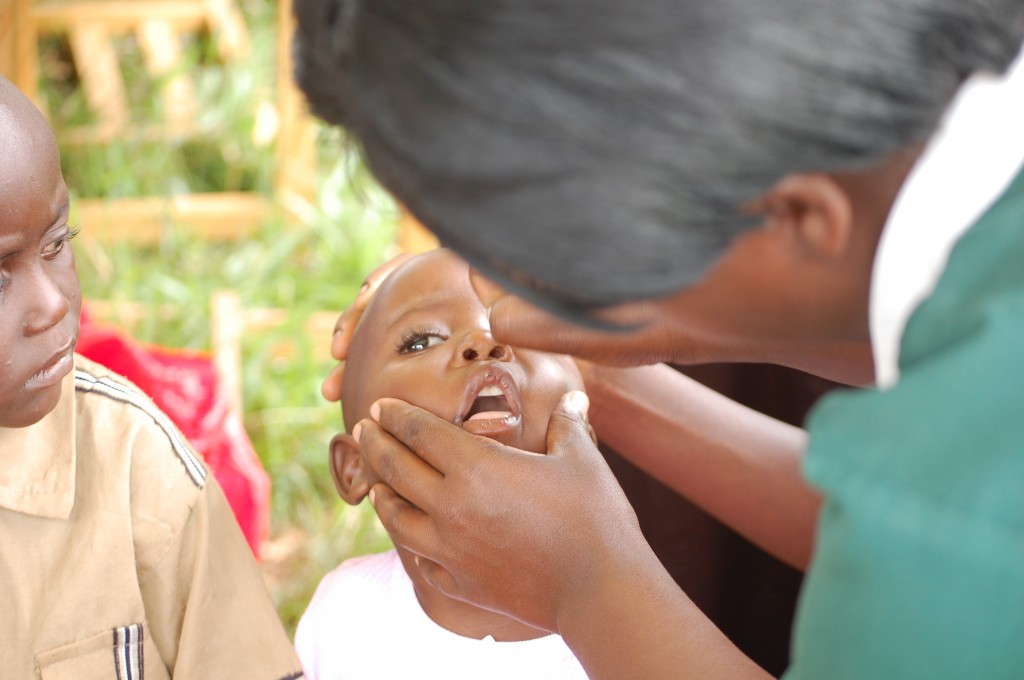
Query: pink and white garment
x=365 y=623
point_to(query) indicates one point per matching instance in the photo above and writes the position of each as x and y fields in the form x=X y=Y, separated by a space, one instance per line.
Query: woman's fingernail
x=577 y=402
x=338 y=330
x=373 y=497
x=375 y=411
x=356 y=431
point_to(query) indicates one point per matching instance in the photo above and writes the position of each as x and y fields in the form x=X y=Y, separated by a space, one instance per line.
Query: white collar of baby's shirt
x=37 y=463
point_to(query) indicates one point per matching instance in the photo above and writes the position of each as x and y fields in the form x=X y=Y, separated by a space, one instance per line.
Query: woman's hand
x=349 y=319
x=652 y=339
x=645 y=338
x=526 y=534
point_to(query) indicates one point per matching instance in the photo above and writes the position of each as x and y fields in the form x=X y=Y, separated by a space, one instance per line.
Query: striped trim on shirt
x=86 y=382
x=128 y=652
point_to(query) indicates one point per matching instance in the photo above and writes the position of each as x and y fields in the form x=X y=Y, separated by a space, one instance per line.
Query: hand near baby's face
x=532 y=536
x=349 y=319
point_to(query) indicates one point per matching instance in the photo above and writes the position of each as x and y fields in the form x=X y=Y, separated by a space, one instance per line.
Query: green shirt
x=919 y=564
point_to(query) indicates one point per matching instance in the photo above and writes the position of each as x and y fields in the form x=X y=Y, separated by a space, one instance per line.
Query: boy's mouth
x=491 y=403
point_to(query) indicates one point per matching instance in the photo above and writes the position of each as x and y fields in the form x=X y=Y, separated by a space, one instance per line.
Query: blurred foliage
x=302 y=268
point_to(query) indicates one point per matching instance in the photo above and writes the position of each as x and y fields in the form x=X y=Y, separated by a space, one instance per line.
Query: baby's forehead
x=423 y=277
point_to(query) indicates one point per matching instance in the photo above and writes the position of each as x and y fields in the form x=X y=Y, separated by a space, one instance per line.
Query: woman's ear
x=811 y=209
x=347 y=469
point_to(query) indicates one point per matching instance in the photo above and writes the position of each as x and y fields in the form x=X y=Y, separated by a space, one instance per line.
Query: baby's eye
x=417 y=342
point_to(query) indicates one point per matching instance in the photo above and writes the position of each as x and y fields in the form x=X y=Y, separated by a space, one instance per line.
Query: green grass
x=316 y=265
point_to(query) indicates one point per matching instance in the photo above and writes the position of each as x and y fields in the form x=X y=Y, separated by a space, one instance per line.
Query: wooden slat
x=118 y=15
x=295 y=151
x=8 y=43
x=216 y=216
x=228 y=27
x=226 y=338
x=162 y=49
x=26 y=64
x=98 y=69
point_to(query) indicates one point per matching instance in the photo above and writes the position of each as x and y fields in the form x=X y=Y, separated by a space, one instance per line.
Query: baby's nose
x=481 y=345
x=497 y=352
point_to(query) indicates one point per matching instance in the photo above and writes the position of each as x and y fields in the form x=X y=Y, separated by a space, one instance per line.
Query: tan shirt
x=119 y=555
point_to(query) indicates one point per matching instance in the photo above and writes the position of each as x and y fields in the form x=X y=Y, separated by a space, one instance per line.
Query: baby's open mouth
x=491 y=403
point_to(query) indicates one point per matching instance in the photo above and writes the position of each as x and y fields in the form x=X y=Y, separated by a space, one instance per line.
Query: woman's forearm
x=635 y=622
x=739 y=465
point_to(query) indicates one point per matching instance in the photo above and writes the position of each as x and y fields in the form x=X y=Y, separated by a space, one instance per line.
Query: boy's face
x=425 y=338
x=40 y=299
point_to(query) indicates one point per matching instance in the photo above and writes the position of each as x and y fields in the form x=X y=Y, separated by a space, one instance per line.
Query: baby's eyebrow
x=423 y=305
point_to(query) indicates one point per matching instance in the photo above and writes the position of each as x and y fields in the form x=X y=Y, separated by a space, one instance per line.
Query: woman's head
x=602 y=150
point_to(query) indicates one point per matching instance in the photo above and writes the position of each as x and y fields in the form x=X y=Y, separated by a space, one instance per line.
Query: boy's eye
x=417 y=342
x=53 y=248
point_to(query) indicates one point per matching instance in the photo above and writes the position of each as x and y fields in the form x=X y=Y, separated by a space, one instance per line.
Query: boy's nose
x=481 y=346
x=48 y=306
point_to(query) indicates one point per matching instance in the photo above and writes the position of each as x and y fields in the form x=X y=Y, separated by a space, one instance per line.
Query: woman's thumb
x=569 y=429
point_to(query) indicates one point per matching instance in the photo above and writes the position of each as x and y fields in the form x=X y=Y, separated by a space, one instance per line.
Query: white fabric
x=969 y=162
x=365 y=623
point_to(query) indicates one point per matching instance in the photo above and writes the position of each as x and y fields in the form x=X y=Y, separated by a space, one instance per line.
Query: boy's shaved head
x=23 y=129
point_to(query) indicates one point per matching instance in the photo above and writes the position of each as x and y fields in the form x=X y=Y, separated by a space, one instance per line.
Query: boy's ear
x=813 y=210
x=347 y=469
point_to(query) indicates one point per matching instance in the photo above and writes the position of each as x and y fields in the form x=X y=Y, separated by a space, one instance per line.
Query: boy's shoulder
x=114 y=415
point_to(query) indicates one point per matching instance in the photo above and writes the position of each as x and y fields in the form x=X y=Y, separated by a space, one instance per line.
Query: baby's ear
x=347 y=469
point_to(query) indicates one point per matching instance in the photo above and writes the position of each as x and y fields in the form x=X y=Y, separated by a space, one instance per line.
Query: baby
x=424 y=338
x=119 y=555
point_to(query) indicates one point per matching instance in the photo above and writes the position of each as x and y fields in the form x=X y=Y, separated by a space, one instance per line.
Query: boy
x=119 y=556
x=424 y=338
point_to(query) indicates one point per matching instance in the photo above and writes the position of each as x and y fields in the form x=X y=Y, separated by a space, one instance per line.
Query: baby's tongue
x=489 y=415
x=489 y=408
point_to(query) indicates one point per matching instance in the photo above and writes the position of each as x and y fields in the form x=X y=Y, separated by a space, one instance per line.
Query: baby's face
x=425 y=338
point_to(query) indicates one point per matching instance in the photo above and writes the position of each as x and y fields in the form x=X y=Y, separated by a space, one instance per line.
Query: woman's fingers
x=569 y=431
x=407 y=525
x=519 y=323
x=348 y=320
x=442 y=445
x=491 y=524
x=331 y=386
x=397 y=465
x=437 y=576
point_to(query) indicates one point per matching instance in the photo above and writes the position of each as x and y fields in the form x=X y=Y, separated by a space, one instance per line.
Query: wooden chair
x=158 y=26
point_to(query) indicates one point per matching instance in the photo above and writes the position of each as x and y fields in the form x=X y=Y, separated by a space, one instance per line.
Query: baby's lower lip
x=484 y=426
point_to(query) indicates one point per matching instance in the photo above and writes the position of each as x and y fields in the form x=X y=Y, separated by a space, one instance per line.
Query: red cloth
x=185 y=386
